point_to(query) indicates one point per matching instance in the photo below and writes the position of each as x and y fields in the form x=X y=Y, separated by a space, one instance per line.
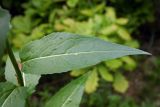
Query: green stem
x=14 y=62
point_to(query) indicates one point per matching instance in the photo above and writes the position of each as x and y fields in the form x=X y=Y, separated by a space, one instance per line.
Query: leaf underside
x=61 y=52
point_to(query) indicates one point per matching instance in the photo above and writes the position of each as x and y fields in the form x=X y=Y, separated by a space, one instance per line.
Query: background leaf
x=61 y=52
x=12 y=96
x=70 y=95
x=72 y=3
x=92 y=82
x=120 y=83
x=105 y=74
x=114 y=64
x=4 y=28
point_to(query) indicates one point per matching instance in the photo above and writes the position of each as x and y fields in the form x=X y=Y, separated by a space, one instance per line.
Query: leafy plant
x=54 y=53
x=91 y=18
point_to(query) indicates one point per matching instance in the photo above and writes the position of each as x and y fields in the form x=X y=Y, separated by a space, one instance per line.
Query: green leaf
x=105 y=74
x=130 y=64
x=111 y=14
x=22 y=24
x=61 y=52
x=76 y=73
x=122 y=21
x=72 y=3
x=133 y=43
x=124 y=34
x=114 y=64
x=12 y=96
x=92 y=82
x=70 y=95
x=4 y=28
x=120 y=83
x=109 y=29
x=30 y=80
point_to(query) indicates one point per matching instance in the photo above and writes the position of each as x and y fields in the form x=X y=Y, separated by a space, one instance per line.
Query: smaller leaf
x=72 y=3
x=87 y=12
x=114 y=64
x=99 y=7
x=130 y=64
x=76 y=73
x=120 y=83
x=12 y=96
x=122 y=21
x=105 y=74
x=70 y=95
x=22 y=24
x=133 y=43
x=92 y=82
x=124 y=34
x=109 y=29
x=111 y=14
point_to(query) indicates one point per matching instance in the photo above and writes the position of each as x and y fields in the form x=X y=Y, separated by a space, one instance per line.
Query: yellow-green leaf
x=120 y=83
x=92 y=82
x=72 y=3
x=133 y=43
x=109 y=29
x=130 y=64
x=76 y=73
x=124 y=34
x=122 y=21
x=114 y=64
x=105 y=74
x=111 y=14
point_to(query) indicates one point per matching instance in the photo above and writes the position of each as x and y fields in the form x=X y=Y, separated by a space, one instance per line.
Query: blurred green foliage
x=89 y=17
x=139 y=12
x=115 y=101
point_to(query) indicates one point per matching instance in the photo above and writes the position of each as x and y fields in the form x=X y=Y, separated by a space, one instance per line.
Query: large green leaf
x=30 y=80
x=12 y=96
x=4 y=28
x=61 y=52
x=70 y=95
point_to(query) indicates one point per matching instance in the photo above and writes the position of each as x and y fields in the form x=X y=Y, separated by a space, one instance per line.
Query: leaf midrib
x=63 y=105
x=8 y=97
x=78 y=53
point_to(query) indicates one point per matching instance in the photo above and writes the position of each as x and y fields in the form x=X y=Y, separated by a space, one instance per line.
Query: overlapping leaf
x=70 y=95
x=4 y=28
x=61 y=52
x=12 y=96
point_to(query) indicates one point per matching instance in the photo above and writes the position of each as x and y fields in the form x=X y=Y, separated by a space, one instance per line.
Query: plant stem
x=14 y=62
